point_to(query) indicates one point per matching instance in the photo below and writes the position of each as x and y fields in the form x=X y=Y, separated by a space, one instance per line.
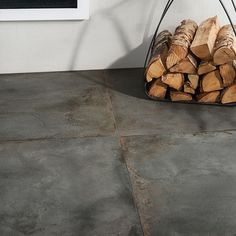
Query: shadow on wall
x=112 y=16
x=125 y=81
x=129 y=81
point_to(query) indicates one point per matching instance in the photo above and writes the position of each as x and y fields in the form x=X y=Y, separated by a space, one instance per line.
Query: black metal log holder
x=146 y=84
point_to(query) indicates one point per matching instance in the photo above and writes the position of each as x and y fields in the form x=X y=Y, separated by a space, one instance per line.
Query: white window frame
x=81 y=13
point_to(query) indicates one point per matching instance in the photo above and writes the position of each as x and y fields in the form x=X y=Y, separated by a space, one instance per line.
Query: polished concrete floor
x=86 y=154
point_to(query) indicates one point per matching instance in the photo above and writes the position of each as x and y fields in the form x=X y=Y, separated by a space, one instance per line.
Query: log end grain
x=158 y=89
x=177 y=96
x=204 y=40
x=229 y=95
x=206 y=67
x=194 y=81
x=155 y=70
x=211 y=97
x=227 y=72
x=174 y=80
x=212 y=82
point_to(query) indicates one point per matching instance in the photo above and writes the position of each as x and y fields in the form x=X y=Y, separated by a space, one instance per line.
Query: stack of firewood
x=195 y=64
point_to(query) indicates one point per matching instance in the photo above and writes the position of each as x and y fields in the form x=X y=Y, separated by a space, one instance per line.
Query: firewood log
x=188 y=88
x=182 y=39
x=229 y=95
x=211 y=97
x=174 y=80
x=158 y=89
x=212 y=81
x=187 y=65
x=225 y=47
x=156 y=67
x=204 y=40
x=180 y=96
x=193 y=79
x=228 y=74
x=206 y=67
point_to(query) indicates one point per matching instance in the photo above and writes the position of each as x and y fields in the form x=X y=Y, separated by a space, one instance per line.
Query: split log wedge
x=225 y=47
x=188 y=88
x=206 y=67
x=180 y=96
x=212 y=82
x=158 y=89
x=156 y=67
x=211 y=97
x=229 y=95
x=188 y=65
x=182 y=39
x=228 y=74
x=204 y=40
x=174 y=80
x=194 y=80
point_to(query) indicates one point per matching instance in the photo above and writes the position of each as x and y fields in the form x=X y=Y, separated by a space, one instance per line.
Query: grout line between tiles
x=123 y=150
x=122 y=147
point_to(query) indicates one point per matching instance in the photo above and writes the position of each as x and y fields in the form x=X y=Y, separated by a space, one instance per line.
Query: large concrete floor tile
x=54 y=105
x=184 y=185
x=136 y=115
x=29 y=85
x=65 y=187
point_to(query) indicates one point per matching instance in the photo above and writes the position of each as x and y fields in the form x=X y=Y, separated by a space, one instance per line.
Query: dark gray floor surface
x=84 y=153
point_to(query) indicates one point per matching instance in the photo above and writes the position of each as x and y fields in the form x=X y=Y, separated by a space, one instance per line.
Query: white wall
x=117 y=35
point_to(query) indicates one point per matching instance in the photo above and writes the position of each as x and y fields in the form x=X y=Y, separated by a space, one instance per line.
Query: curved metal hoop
x=168 y=5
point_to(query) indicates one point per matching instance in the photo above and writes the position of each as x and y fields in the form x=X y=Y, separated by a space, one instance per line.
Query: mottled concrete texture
x=86 y=154
x=186 y=182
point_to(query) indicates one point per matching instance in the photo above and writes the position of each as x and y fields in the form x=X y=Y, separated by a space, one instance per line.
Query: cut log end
x=155 y=70
x=176 y=54
x=229 y=95
x=204 y=40
x=212 y=82
x=227 y=72
x=158 y=89
x=181 y=41
x=194 y=81
x=225 y=46
x=188 y=65
x=174 y=80
x=188 y=88
x=177 y=96
x=224 y=55
x=212 y=97
x=206 y=67
x=156 y=66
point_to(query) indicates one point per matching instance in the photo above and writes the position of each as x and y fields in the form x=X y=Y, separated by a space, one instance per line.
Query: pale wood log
x=212 y=81
x=229 y=95
x=204 y=40
x=194 y=80
x=227 y=72
x=174 y=80
x=206 y=67
x=182 y=39
x=158 y=89
x=225 y=47
x=187 y=65
x=211 y=97
x=180 y=96
x=188 y=88
x=156 y=66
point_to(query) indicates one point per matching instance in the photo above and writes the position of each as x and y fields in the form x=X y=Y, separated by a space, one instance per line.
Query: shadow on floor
x=127 y=81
